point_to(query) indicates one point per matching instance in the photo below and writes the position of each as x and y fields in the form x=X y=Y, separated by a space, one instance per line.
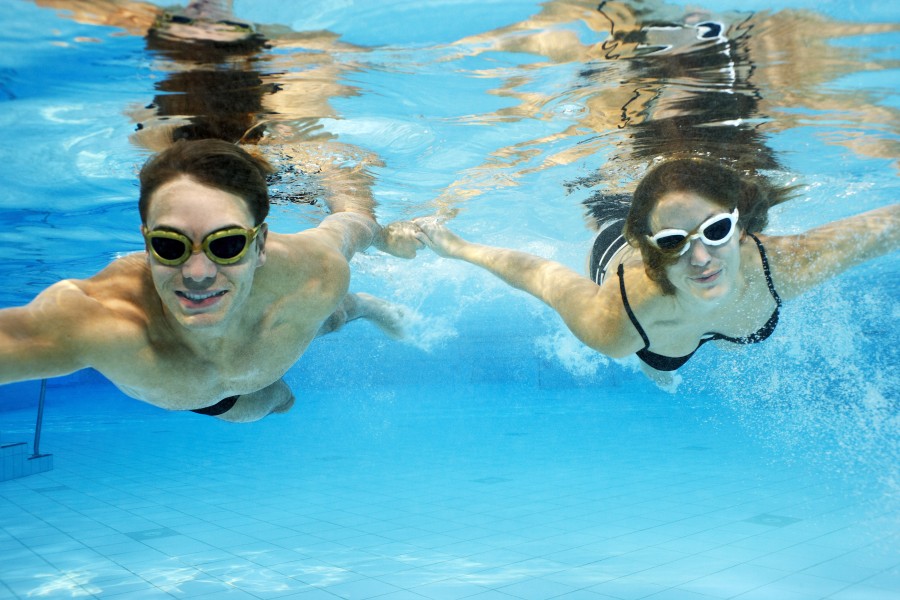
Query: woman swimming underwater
x=690 y=265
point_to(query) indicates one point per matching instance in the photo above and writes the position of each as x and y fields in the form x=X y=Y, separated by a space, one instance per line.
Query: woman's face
x=708 y=273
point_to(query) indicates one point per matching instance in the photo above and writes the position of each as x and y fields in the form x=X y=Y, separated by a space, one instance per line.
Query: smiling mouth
x=198 y=300
x=707 y=278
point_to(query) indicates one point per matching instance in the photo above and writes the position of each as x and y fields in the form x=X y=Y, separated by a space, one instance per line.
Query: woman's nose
x=699 y=253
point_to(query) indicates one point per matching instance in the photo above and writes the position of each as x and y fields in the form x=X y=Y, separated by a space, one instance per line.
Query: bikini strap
x=765 y=266
x=634 y=321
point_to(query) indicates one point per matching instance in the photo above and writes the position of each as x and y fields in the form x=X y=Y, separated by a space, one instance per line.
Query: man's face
x=201 y=293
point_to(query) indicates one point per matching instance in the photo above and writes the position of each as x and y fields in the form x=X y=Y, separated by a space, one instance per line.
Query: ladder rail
x=40 y=420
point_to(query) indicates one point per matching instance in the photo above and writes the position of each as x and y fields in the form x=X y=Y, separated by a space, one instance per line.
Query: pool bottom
x=481 y=492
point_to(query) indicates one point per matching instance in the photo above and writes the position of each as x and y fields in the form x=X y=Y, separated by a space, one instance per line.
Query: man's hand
x=400 y=239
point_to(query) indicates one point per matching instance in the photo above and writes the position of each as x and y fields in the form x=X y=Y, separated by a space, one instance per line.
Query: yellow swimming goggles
x=223 y=247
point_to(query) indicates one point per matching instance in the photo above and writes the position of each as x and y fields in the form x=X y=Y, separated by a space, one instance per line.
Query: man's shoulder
x=304 y=274
x=102 y=315
x=311 y=242
x=125 y=277
x=297 y=258
x=120 y=288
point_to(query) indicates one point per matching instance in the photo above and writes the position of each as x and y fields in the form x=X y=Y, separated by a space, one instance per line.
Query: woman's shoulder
x=636 y=292
x=640 y=291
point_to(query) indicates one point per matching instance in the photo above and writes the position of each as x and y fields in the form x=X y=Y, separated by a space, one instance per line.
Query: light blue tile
x=808 y=584
x=148 y=593
x=626 y=589
x=865 y=592
x=494 y=595
x=362 y=589
x=768 y=592
x=122 y=588
x=888 y=579
x=537 y=588
x=680 y=594
x=378 y=567
x=734 y=581
x=413 y=578
x=797 y=558
x=123 y=547
x=448 y=589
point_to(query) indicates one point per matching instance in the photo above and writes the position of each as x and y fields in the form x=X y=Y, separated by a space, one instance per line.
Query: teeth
x=200 y=297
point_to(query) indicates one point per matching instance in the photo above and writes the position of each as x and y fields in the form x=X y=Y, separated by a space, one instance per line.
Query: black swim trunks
x=219 y=408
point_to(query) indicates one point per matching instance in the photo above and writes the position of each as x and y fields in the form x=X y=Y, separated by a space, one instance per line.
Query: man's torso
x=150 y=358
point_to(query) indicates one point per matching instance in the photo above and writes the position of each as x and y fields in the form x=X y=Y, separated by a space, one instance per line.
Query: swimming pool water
x=492 y=456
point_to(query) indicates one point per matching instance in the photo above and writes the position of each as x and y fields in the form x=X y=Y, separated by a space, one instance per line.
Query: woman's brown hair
x=714 y=181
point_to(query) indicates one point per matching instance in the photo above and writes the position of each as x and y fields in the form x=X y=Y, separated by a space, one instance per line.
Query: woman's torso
x=675 y=327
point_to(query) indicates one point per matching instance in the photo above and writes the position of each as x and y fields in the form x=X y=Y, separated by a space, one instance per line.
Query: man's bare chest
x=176 y=377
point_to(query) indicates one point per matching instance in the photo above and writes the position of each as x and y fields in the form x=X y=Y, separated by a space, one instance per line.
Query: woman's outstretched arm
x=800 y=262
x=593 y=313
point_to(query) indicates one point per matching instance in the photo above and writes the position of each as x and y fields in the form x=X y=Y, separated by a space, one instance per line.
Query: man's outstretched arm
x=40 y=339
x=349 y=232
x=353 y=232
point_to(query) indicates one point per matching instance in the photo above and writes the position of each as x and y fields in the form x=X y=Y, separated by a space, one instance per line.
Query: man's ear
x=261 y=238
x=144 y=232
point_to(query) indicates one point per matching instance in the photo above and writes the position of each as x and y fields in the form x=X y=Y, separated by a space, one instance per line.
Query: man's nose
x=198 y=268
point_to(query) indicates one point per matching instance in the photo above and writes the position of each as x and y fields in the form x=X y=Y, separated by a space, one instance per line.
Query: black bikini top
x=671 y=363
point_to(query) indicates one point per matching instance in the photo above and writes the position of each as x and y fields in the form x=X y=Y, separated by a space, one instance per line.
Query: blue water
x=491 y=455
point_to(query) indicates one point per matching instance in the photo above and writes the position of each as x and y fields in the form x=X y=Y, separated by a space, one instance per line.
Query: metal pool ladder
x=14 y=459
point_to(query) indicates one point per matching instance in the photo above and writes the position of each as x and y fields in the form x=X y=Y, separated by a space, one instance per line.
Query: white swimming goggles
x=714 y=231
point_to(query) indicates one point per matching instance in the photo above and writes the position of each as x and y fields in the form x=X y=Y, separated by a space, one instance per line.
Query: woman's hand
x=434 y=234
x=400 y=239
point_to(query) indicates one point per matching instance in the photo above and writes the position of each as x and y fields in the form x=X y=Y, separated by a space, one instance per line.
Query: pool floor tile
x=600 y=517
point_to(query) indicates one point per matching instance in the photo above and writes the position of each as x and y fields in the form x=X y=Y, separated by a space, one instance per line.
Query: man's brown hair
x=214 y=163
